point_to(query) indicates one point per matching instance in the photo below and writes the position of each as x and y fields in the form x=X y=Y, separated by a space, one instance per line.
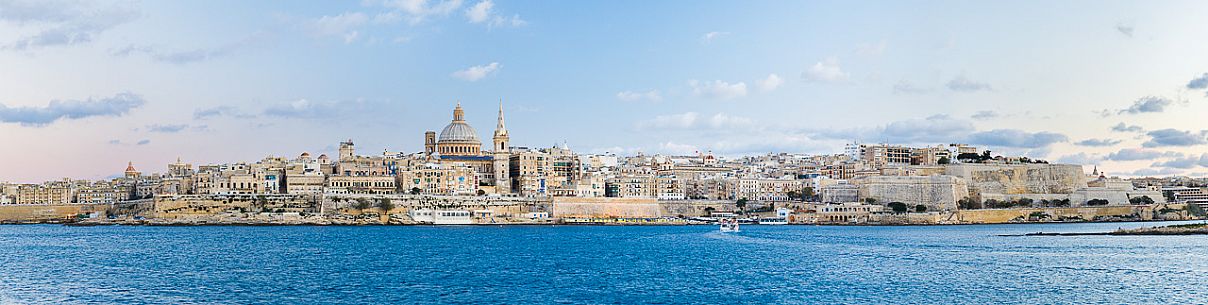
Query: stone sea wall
x=48 y=213
x=1019 y=178
x=937 y=193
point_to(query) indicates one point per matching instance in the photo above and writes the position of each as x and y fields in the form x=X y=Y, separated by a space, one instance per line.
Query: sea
x=966 y=264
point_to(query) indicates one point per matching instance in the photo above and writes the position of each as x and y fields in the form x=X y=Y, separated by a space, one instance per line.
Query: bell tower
x=502 y=156
x=501 y=133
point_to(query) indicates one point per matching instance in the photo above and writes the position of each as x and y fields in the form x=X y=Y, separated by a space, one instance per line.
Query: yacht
x=728 y=224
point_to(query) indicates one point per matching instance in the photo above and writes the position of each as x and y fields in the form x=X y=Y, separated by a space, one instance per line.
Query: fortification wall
x=1011 y=179
x=937 y=193
x=1145 y=212
x=41 y=213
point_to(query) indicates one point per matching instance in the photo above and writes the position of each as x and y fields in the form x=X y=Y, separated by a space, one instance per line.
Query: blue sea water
x=51 y=264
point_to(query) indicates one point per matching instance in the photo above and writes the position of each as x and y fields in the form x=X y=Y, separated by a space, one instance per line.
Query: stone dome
x=458 y=132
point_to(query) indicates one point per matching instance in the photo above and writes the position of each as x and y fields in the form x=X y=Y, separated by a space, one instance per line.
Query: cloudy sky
x=87 y=86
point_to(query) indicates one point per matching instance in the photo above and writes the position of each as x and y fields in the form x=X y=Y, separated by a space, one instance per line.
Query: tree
x=793 y=195
x=1062 y=202
x=943 y=160
x=741 y=204
x=1141 y=200
x=986 y=155
x=898 y=207
x=993 y=204
x=481 y=192
x=1024 y=202
x=920 y=208
x=709 y=211
x=416 y=191
x=1097 y=202
x=808 y=194
x=362 y=204
x=385 y=204
x=870 y=200
x=968 y=204
x=968 y=156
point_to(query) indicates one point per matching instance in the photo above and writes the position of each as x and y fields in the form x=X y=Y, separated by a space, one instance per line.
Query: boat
x=728 y=225
x=773 y=221
x=441 y=217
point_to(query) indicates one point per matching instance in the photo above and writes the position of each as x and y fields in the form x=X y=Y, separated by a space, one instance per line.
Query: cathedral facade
x=458 y=142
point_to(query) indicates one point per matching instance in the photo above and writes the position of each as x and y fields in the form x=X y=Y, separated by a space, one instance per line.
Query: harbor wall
x=48 y=213
x=1143 y=212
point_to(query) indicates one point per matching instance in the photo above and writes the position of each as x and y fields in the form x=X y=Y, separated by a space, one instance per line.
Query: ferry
x=439 y=217
x=773 y=221
x=728 y=225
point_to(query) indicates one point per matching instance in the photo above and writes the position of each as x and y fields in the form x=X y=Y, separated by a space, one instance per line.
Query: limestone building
x=458 y=143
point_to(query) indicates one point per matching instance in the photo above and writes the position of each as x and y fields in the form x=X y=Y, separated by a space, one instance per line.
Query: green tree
x=808 y=193
x=385 y=204
x=898 y=207
x=1024 y=202
x=361 y=204
x=793 y=195
x=943 y=160
x=742 y=205
x=1141 y=200
x=416 y=191
x=920 y=208
x=1094 y=202
x=968 y=204
x=870 y=200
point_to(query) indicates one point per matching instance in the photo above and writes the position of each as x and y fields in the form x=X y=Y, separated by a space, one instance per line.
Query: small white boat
x=728 y=225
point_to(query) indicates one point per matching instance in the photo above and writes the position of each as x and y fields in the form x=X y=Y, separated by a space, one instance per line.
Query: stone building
x=458 y=143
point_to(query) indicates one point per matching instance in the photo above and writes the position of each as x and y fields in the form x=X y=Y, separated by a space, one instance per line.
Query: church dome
x=458 y=132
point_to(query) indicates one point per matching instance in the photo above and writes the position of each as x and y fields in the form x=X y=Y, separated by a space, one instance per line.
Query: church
x=458 y=143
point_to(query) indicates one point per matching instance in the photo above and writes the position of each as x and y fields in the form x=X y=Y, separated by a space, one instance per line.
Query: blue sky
x=87 y=86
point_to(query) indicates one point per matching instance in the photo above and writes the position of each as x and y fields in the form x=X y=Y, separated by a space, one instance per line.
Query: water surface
x=51 y=264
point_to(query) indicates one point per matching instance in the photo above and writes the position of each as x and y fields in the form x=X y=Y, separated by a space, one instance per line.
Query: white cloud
x=631 y=96
x=693 y=120
x=678 y=148
x=770 y=83
x=825 y=71
x=56 y=110
x=60 y=23
x=414 y=11
x=343 y=25
x=906 y=87
x=1125 y=28
x=477 y=72
x=964 y=84
x=1079 y=158
x=722 y=120
x=1148 y=104
x=671 y=121
x=718 y=89
x=710 y=36
x=482 y=13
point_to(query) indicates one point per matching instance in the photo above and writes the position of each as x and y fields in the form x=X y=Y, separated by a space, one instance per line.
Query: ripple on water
x=598 y=265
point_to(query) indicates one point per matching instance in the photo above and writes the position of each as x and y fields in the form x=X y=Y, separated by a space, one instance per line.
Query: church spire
x=500 y=129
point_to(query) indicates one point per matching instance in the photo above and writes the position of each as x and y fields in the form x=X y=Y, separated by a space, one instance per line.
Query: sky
x=87 y=86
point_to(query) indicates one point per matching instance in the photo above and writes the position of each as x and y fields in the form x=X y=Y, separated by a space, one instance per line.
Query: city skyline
x=103 y=83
